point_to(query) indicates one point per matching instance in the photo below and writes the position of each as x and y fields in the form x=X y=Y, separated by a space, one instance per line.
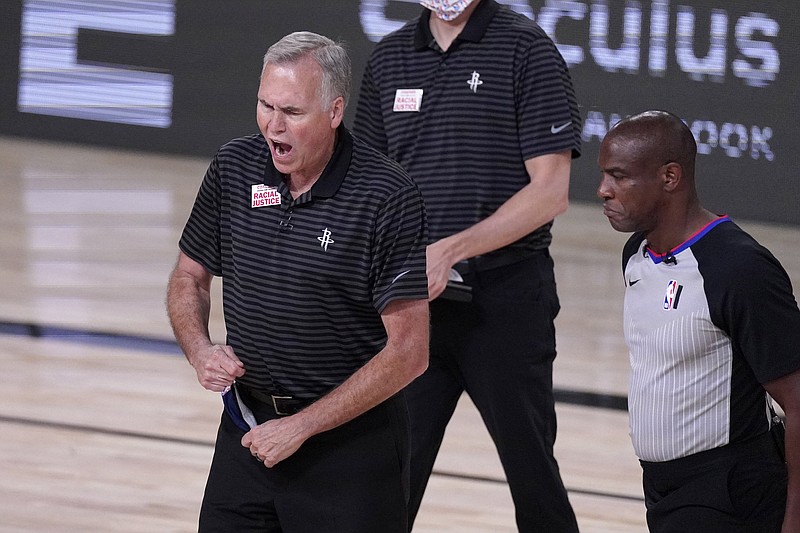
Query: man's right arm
x=188 y=307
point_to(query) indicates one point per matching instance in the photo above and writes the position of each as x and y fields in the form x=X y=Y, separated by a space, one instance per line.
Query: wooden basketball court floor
x=104 y=427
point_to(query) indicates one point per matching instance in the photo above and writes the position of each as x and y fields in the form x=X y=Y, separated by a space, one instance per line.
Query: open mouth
x=281 y=149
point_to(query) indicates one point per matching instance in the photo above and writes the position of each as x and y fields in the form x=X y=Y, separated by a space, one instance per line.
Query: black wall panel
x=180 y=76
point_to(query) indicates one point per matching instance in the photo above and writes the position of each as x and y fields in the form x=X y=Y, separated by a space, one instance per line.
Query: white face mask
x=446 y=9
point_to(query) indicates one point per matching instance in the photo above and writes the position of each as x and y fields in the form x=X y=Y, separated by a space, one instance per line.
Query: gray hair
x=330 y=56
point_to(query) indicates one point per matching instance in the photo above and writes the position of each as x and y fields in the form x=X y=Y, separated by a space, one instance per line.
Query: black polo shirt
x=501 y=94
x=305 y=280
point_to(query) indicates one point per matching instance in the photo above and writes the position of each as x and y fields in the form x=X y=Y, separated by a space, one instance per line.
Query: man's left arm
x=404 y=357
x=786 y=391
x=543 y=199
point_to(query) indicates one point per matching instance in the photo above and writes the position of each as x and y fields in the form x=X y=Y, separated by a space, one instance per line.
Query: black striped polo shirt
x=305 y=280
x=501 y=94
x=706 y=325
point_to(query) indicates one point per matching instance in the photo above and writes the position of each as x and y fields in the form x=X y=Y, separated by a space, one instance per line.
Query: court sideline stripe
x=82 y=428
x=170 y=347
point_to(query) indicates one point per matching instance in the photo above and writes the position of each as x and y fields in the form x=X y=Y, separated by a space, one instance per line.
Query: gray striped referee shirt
x=305 y=280
x=706 y=325
x=463 y=122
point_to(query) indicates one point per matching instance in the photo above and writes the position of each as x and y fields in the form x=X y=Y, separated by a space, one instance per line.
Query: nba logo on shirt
x=673 y=295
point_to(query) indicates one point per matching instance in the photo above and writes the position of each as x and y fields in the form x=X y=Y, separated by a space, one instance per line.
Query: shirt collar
x=473 y=31
x=333 y=174
x=696 y=236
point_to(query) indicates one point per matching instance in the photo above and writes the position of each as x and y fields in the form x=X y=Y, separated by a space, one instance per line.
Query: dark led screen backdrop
x=180 y=76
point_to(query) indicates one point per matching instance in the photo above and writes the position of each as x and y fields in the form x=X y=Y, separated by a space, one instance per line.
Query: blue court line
x=170 y=347
x=82 y=428
x=96 y=338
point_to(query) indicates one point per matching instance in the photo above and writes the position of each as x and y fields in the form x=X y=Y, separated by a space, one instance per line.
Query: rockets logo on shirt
x=673 y=295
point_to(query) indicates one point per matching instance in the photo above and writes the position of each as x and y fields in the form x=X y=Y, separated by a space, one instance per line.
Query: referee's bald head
x=657 y=137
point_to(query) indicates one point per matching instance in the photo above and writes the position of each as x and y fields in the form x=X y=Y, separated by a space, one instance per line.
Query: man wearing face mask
x=477 y=104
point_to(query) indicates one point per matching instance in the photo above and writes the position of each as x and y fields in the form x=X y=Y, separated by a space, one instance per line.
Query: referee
x=476 y=103
x=713 y=331
x=320 y=242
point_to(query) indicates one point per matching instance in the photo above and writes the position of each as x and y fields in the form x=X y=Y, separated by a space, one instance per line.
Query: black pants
x=739 y=488
x=352 y=479
x=499 y=348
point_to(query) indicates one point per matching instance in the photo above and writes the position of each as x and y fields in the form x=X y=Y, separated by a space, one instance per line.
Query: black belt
x=283 y=405
x=497 y=259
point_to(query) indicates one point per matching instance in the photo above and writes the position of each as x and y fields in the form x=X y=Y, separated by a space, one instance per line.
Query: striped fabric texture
x=704 y=331
x=304 y=282
x=499 y=95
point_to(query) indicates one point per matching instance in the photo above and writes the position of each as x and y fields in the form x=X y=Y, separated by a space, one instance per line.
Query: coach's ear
x=337 y=112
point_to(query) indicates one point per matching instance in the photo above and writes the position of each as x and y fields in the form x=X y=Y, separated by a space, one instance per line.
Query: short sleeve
x=547 y=110
x=398 y=267
x=201 y=234
x=368 y=123
x=757 y=309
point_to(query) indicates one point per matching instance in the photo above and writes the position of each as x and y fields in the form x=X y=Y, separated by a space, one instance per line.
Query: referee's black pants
x=499 y=348
x=739 y=488
x=351 y=479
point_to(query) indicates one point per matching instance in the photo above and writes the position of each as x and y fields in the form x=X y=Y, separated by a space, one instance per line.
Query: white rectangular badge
x=264 y=195
x=407 y=100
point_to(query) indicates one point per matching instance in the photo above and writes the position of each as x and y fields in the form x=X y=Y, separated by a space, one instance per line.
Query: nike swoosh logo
x=633 y=282
x=400 y=275
x=557 y=129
